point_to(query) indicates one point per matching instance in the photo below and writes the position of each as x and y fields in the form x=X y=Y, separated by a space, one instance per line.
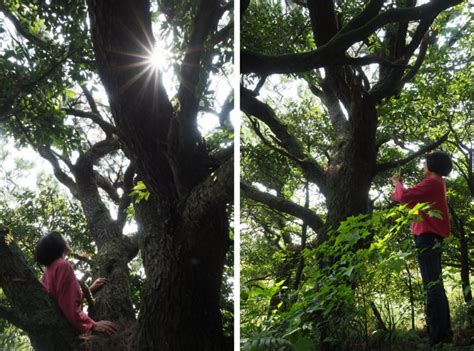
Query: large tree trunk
x=348 y=182
x=31 y=308
x=183 y=264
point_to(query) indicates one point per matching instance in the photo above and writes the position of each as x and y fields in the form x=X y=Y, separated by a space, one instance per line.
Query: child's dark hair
x=439 y=162
x=49 y=248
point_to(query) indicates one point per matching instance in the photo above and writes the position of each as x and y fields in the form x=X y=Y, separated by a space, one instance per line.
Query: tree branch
x=217 y=189
x=204 y=22
x=47 y=154
x=283 y=205
x=419 y=60
x=99 y=150
x=394 y=164
x=223 y=33
x=331 y=53
x=313 y=171
x=323 y=20
x=9 y=315
x=107 y=186
x=108 y=128
x=125 y=200
x=219 y=156
x=90 y=100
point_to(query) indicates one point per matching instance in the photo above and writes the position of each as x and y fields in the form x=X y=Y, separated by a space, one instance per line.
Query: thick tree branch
x=219 y=156
x=90 y=100
x=103 y=183
x=416 y=67
x=108 y=128
x=370 y=11
x=47 y=154
x=204 y=22
x=99 y=150
x=283 y=205
x=223 y=33
x=323 y=20
x=332 y=53
x=394 y=164
x=9 y=315
x=265 y=141
x=125 y=200
x=263 y=112
x=216 y=190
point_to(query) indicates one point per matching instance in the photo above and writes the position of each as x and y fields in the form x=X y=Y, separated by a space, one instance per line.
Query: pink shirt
x=61 y=282
x=432 y=190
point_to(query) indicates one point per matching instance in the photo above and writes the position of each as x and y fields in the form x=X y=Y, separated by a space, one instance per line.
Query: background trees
x=337 y=95
x=138 y=134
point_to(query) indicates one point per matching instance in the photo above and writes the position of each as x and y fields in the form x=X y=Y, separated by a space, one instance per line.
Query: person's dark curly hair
x=439 y=162
x=49 y=248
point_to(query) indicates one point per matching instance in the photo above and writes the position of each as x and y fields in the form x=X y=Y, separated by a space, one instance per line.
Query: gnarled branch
x=46 y=152
x=125 y=200
x=217 y=189
x=331 y=53
x=394 y=164
x=312 y=170
x=283 y=205
x=108 y=128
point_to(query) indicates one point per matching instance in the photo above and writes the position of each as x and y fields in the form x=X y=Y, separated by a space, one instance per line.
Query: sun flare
x=157 y=58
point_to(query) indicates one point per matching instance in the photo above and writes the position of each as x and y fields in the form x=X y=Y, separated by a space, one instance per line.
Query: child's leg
x=437 y=308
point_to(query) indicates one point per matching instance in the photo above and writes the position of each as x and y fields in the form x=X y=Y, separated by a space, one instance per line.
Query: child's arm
x=69 y=299
x=419 y=193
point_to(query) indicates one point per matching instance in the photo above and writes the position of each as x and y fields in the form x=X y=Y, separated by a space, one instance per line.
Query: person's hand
x=99 y=283
x=396 y=179
x=107 y=327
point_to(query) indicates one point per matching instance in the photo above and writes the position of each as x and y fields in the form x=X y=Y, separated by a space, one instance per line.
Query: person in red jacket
x=61 y=283
x=429 y=233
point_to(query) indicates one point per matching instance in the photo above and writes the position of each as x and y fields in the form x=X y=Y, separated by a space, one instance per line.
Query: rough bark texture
x=31 y=308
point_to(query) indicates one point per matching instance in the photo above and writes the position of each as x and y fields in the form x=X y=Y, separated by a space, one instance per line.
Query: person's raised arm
x=411 y=196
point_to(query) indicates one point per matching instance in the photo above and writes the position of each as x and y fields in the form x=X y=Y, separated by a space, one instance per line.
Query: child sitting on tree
x=429 y=234
x=61 y=283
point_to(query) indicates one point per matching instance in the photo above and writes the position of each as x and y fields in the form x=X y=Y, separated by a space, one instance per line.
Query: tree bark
x=183 y=262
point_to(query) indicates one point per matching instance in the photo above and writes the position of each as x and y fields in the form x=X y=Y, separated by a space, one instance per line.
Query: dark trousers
x=437 y=308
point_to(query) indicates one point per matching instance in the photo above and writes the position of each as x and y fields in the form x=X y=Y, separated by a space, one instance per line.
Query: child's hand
x=107 y=327
x=396 y=179
x=100 y=282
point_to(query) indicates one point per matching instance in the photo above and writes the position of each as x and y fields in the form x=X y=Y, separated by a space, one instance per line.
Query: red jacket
x=61 y=282
x=432 y=190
